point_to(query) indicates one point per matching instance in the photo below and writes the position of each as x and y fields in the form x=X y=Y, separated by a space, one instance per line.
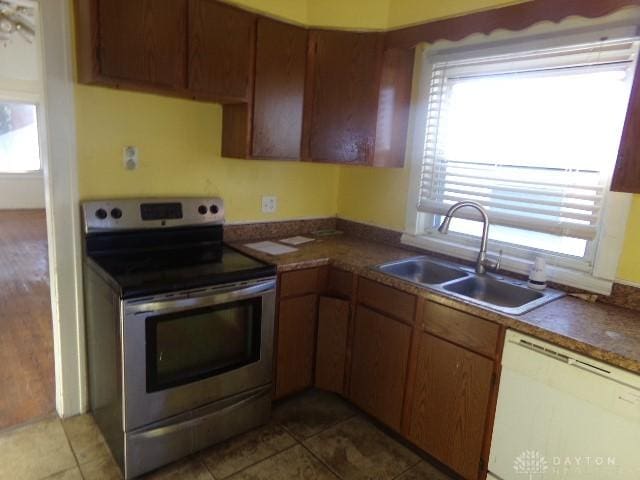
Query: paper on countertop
x=272 y=248
x=297 y=240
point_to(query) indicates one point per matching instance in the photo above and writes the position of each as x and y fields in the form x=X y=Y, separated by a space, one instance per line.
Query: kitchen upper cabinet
x=344 y=71
x=287 y=93
x=281 y=56
x=139 y=44
x=626 y=176
x=221 y=51
x=450 y=403
x=379 y=365
x=394 y=98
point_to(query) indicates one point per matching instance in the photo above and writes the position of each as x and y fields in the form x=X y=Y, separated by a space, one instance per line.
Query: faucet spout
x=482 y=261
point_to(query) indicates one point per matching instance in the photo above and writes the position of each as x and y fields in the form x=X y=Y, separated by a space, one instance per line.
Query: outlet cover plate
x=269 y=204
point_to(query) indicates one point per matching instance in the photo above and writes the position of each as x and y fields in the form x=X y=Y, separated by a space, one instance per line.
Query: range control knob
x=202 y=210
x=214 y=209
x=101 y=213
x=116 y=213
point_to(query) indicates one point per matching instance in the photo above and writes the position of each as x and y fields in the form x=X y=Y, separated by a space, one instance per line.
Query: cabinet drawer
x=461 y=328
x=340 y=283
x=299 y=282
x=385 y=299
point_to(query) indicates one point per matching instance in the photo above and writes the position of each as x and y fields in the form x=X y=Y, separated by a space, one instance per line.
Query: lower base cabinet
x=379 y=365
x=297 y=322
x=426 y=370
x=450 y=403
x=331 y=350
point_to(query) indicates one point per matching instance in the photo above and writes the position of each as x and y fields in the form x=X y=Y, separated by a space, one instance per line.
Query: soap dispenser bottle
x=538 y=274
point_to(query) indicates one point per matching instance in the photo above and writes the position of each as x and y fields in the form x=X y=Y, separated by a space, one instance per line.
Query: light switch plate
x=269 y=204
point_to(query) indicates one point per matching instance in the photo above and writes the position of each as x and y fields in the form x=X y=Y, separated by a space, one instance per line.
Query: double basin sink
x=494 y=292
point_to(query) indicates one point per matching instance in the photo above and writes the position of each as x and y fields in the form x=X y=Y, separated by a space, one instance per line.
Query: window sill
x=21 y=175
x=563 y=276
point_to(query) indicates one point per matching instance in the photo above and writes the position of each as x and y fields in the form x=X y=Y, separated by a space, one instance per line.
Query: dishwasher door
x=563 y=416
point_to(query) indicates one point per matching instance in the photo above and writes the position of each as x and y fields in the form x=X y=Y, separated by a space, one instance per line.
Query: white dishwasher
x=563 y=416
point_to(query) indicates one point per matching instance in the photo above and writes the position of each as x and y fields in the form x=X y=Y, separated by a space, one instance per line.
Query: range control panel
x=146 y=213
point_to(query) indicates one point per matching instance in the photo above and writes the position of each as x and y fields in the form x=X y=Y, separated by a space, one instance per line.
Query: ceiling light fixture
x=17 y=17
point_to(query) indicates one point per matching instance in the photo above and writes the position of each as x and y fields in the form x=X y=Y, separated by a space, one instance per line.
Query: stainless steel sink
x=510 y=296
x=423 y=270
x=490 y=291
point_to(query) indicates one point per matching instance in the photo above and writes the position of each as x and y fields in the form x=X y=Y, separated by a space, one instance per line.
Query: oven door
x=185 y=350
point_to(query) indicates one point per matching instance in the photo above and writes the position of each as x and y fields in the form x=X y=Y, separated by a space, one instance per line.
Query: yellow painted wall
x=409 y=12
x=291 y=10
x=629 y=268
x=349 y=14
x=179 y=142
x=377 y=196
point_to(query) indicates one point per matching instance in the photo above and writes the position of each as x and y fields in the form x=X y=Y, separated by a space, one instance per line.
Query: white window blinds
x=532 y=136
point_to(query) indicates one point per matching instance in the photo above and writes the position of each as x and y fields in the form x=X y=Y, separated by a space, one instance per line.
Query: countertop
x=604 y=332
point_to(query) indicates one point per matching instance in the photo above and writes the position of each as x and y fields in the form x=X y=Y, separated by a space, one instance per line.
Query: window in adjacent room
x=533 y=136
x=19 y=148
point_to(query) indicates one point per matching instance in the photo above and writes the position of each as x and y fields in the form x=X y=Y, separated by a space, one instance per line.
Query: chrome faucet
x=483 y=261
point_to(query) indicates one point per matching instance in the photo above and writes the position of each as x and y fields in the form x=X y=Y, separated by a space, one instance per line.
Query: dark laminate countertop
x=603 y=332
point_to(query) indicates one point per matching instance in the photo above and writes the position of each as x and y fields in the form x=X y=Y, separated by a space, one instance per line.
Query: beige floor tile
x=101 y=469
x=35 y=451
x=312 y=412
x=189 y=469
x=356 y=449
x=85 y=438
x=295 y=463
x=73 y=474
x=424 y=471
x=233 y=455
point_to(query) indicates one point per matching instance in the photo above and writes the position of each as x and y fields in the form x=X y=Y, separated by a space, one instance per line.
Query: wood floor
x=26 y=338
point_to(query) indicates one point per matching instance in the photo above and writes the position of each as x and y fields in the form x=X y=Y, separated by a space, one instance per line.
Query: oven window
x=193 y=345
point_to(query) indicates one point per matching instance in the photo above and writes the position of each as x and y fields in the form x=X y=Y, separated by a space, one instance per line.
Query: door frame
x=59 y=159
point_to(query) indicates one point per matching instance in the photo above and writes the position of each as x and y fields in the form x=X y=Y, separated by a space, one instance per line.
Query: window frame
x=595 y=273
x=35 y=99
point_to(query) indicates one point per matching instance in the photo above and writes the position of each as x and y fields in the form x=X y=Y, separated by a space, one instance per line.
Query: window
x=19 y=149
x=533 y=136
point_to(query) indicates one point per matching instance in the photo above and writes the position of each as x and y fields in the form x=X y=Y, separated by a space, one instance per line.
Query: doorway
x=27 y=380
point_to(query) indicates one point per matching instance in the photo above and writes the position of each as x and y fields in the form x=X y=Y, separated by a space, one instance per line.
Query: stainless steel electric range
x=179 y=329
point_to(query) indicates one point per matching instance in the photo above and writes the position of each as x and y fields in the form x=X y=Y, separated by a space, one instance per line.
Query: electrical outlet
x=269 y=204
x=130 y=157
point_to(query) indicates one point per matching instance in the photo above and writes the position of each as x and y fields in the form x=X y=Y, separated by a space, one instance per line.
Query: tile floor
x=311 y=436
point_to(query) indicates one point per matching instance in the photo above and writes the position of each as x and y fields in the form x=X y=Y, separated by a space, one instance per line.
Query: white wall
x=21 y=80
x=21 y=191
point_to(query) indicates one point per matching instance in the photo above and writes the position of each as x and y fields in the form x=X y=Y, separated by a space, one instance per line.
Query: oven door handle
x=205 y=300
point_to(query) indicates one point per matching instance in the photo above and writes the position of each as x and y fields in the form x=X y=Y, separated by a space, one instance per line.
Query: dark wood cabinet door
x=450 y=403
x=331 y=350
x=297 y=320
x=626 y=176
x=279 y=90
x=342 y=93
x=379 y=365
x=221 y=50
x=143 y=42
